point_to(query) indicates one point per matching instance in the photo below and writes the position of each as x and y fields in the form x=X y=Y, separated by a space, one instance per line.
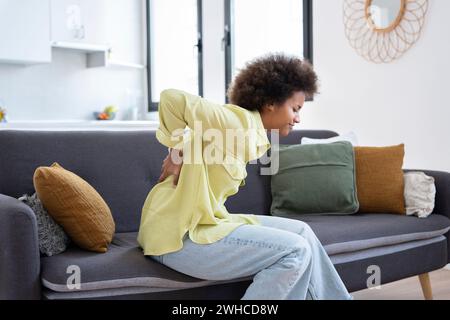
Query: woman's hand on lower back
x=172 y=165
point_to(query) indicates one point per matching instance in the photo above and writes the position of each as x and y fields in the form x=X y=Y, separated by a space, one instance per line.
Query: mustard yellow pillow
x=379 y=179
x=76 y=206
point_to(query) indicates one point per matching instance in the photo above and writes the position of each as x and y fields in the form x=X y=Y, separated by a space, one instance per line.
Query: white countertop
x=80 y=125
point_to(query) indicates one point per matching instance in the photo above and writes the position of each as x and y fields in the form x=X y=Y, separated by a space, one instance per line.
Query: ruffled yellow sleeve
x=178 y=109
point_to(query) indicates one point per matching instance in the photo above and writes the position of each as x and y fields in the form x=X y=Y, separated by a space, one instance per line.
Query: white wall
x=385 y=104
x=65 y=89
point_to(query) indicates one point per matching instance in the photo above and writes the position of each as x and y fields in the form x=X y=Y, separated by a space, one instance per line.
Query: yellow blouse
x=196 y=204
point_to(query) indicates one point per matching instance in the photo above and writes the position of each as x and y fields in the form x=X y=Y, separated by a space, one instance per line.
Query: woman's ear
x=269 y=107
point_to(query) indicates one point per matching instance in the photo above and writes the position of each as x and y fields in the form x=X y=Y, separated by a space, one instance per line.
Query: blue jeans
x=284 y=255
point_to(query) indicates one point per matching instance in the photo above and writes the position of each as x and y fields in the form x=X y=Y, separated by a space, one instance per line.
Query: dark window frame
x=227 y=42
x=153 y=106
x=228 y=37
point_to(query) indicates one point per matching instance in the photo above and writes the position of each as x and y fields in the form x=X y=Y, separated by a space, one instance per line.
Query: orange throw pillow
x=379 y=179
x=76 y=206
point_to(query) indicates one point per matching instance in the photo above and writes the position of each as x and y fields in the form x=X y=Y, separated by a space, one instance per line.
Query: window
x=174 y=47
x=256 y=27
x=252 y=28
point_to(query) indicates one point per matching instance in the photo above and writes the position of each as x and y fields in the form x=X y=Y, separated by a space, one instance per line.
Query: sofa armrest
x=19 y=251
x=442 y=183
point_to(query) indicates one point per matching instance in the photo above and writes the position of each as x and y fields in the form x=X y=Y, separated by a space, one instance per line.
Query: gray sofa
x=123 y=166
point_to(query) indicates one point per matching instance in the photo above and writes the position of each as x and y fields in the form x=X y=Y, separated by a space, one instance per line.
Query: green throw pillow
x=314 y=179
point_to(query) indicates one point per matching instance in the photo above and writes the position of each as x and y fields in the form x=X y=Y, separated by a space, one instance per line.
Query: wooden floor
x=409 y=289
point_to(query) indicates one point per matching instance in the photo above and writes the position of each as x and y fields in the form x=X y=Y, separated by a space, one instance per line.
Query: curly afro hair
x=271 y=79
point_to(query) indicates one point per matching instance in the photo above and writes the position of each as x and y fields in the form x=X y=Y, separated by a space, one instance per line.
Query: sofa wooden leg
x=426 y=286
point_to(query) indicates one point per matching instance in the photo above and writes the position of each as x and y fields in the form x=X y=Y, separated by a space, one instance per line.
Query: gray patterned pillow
x=51 y=236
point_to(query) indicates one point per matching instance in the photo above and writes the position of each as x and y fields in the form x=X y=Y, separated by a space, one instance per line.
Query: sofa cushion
x=76 y=206
x=420 y=194
x=379 y=179
x=128 y=269
x=51 y=236
x=315 y=178
x=122 y=266
x=349 y=136
x=350 y=233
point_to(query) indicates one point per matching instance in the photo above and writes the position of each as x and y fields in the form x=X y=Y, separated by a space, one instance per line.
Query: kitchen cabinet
x=25 y=31
x=29 y=29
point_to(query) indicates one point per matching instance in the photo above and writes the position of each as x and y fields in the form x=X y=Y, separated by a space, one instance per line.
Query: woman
x=185 y=224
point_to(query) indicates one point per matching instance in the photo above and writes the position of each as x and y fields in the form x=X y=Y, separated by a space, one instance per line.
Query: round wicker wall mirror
x=384 y=15
x=383 y=30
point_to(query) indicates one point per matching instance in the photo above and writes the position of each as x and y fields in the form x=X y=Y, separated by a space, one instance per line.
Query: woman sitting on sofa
x=184 y=223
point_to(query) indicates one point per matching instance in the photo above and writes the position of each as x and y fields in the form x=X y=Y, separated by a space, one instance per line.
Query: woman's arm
x=178 y=109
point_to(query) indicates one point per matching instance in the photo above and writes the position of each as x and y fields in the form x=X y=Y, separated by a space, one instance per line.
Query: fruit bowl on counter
x=104 y=115
x=109 y=113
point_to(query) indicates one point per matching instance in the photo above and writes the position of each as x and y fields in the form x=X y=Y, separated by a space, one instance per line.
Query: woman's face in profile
x=285 y=115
